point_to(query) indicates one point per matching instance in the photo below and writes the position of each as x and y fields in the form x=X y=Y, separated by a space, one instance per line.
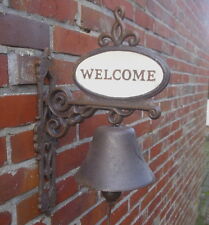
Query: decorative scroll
x=116 y=115
x=45 y=144
x=58 y=111
x=118 y=34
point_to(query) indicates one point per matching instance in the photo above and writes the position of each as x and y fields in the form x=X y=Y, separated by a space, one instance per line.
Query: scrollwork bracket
x=59 y=110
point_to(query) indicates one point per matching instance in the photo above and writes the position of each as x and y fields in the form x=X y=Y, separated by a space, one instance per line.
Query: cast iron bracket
x=59 y=110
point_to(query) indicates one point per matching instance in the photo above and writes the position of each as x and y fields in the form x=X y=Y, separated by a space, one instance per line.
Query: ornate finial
x=118 y=33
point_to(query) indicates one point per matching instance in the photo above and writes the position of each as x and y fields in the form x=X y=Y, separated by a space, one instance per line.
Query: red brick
x=39 y=223
x=132 y=215
x=148 y=142
x=176 y=78
x=144 y=20
x=154 y=203
x=159 y=45
x=203 y=55
x=70 y=159
x=88 y=127
x=165 y=106
x=156 y=123
x=17 y=110
x=160 y=13
x=3 y=151
x=5 y=218
x=27 y=209
x=150 y=220
x=163 y=132
x=137 y=115
x=181 y=54
x=129 y=11
x=3 y=70
x=135 y=198
x=163 y=31
x=63 y=71
x=73 y=42
x=171 y=6
x=167 y=190
x=68 y=138
x=149 y=197
x=95 y=215
x=162 y=94
x=168 y=166
x=142 y=128
x=159 y=161
x=140 y=220
x=118 y=213
x=22 y=32
x=179 y=66
x=175 y=125
x=94 y=20
x=178 y=134
x=142 y=3
x=61 y=10
x=13 y=185
x=66 y=188
x=162 y=182
x=172 y=92
x=22 y=69
x=155 y=150
x=74 y=209
x=22 y=146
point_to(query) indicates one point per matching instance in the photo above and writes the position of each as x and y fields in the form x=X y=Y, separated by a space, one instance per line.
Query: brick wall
x=172 y=145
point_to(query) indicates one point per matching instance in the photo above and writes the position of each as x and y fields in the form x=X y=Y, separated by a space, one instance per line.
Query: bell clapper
x=111 y=198
x=110 y=205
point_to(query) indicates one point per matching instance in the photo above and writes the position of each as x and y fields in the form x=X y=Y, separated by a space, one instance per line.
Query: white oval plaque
x=120 y=74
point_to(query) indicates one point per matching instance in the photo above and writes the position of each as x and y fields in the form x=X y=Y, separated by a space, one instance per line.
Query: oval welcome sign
x=122 y=72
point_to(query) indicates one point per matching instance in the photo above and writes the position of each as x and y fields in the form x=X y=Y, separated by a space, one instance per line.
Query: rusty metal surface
x=114 y=162
x=118 y=33
x=45 y=144
x=58 y=111
x=70 y=111
x=111 y=197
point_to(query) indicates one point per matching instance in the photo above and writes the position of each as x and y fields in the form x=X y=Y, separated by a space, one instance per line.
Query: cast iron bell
x=114 y=163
